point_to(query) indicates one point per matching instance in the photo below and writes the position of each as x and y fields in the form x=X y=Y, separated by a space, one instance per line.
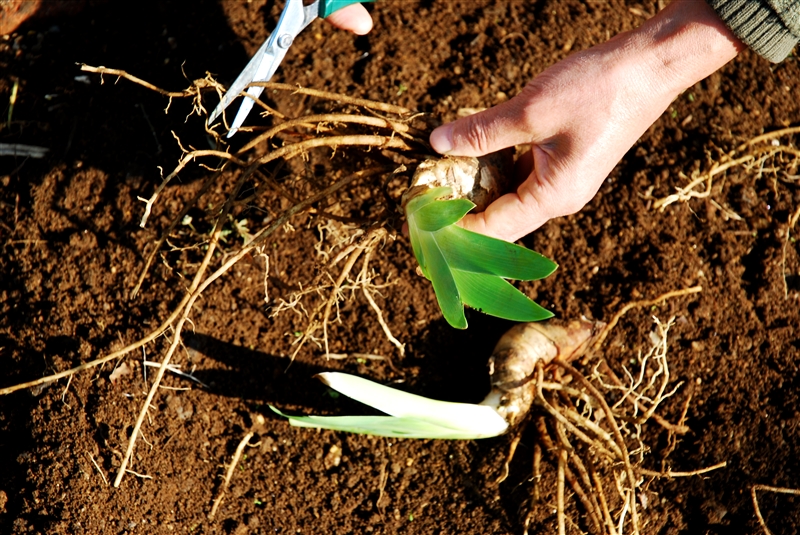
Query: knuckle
x=476 y=133
x=576 y=199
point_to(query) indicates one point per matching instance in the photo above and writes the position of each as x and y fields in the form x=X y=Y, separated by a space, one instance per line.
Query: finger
x=508 y=218
x=517 y=214
x=500 y=127
x=353 y=18
x=523 y=168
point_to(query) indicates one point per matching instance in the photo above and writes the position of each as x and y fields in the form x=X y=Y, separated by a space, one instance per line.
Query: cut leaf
x=433 y=194
x=440 y=214
x=412 y=416
x=382 y=426
x=497 y=297
x=470 y=251
x=444 y=285
x=467 y=268
x=412 y=208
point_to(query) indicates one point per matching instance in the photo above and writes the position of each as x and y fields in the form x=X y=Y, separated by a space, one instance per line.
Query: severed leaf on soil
x=411 y=416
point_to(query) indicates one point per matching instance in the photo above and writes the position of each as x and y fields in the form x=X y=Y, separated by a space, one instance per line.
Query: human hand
x=581 y=115
x=353 y=18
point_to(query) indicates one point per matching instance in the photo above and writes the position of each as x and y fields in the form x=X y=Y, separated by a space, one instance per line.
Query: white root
x=513 y=361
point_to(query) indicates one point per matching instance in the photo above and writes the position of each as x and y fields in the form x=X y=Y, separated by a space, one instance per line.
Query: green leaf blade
x=497 y=297
x=416 y=246
x=469 y=268
x=440 y=275
x=418 y=202
x=470 y=251
x=440 y=214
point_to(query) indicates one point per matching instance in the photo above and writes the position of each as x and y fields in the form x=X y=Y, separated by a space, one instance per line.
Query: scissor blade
x=242 y=81
x=294 y=18
x=268 y=67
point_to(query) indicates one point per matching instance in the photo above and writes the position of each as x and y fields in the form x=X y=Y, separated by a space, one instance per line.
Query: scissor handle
x=326 y=7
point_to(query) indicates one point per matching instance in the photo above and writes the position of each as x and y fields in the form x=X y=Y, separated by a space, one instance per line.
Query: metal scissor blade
x=294 y=18
x=267 y=67
x=242 y=81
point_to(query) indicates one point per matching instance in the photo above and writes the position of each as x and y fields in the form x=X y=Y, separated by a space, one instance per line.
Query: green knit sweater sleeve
x=770 y=27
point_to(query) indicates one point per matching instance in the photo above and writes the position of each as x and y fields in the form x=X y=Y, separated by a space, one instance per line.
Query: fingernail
x=442 y=139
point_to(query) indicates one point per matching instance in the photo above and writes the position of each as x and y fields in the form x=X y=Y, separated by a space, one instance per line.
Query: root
x=583 y=487
x=766 y=488
x=512 y=448
x=195 y=290
x=753 y=156
x=334 y=296
x=617 y=434
x=208 y=83
x=229 y=474
x=323 y=311
x=320 y=122
x=332 y=131
x=187 y=158
x=191 y=92
x=786 y=240
x=336 y=97
x=364 y=278
x=591 y=428
x=671 y=474
x=640 y=304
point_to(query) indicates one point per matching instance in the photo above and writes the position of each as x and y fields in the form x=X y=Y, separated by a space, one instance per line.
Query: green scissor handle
x=326 y=7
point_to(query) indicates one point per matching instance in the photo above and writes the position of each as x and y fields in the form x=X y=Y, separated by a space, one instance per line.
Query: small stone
x=333 y=458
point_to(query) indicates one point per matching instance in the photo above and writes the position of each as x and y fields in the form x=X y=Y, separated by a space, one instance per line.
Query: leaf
x=423 y=199
x=412 y=207
x=404 y=404
x=382 y=426
x=469 y=268
x=412 y=416
x=416 y=246
x=439 y=214
x=441 y=276
x=497 y=297
x=470 y=251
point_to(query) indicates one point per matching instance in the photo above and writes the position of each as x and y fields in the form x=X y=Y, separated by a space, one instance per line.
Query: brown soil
x=72 y=250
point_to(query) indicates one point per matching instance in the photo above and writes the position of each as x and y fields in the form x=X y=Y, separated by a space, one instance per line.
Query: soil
x=72 y=250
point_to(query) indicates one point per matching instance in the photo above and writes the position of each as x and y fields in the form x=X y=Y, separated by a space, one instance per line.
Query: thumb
x=353 y=18
x=510 y=217
x=497 y=128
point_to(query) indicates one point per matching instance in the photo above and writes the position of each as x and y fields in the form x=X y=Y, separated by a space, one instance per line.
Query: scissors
x=296 y=15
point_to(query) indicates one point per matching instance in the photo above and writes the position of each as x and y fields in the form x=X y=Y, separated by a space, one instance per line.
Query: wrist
x=684 y=43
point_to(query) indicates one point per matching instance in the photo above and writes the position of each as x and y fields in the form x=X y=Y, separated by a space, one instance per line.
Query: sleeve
x=770 y=27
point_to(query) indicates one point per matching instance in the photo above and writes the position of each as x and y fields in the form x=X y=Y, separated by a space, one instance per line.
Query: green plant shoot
x=467 y=268
x=410 y=415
